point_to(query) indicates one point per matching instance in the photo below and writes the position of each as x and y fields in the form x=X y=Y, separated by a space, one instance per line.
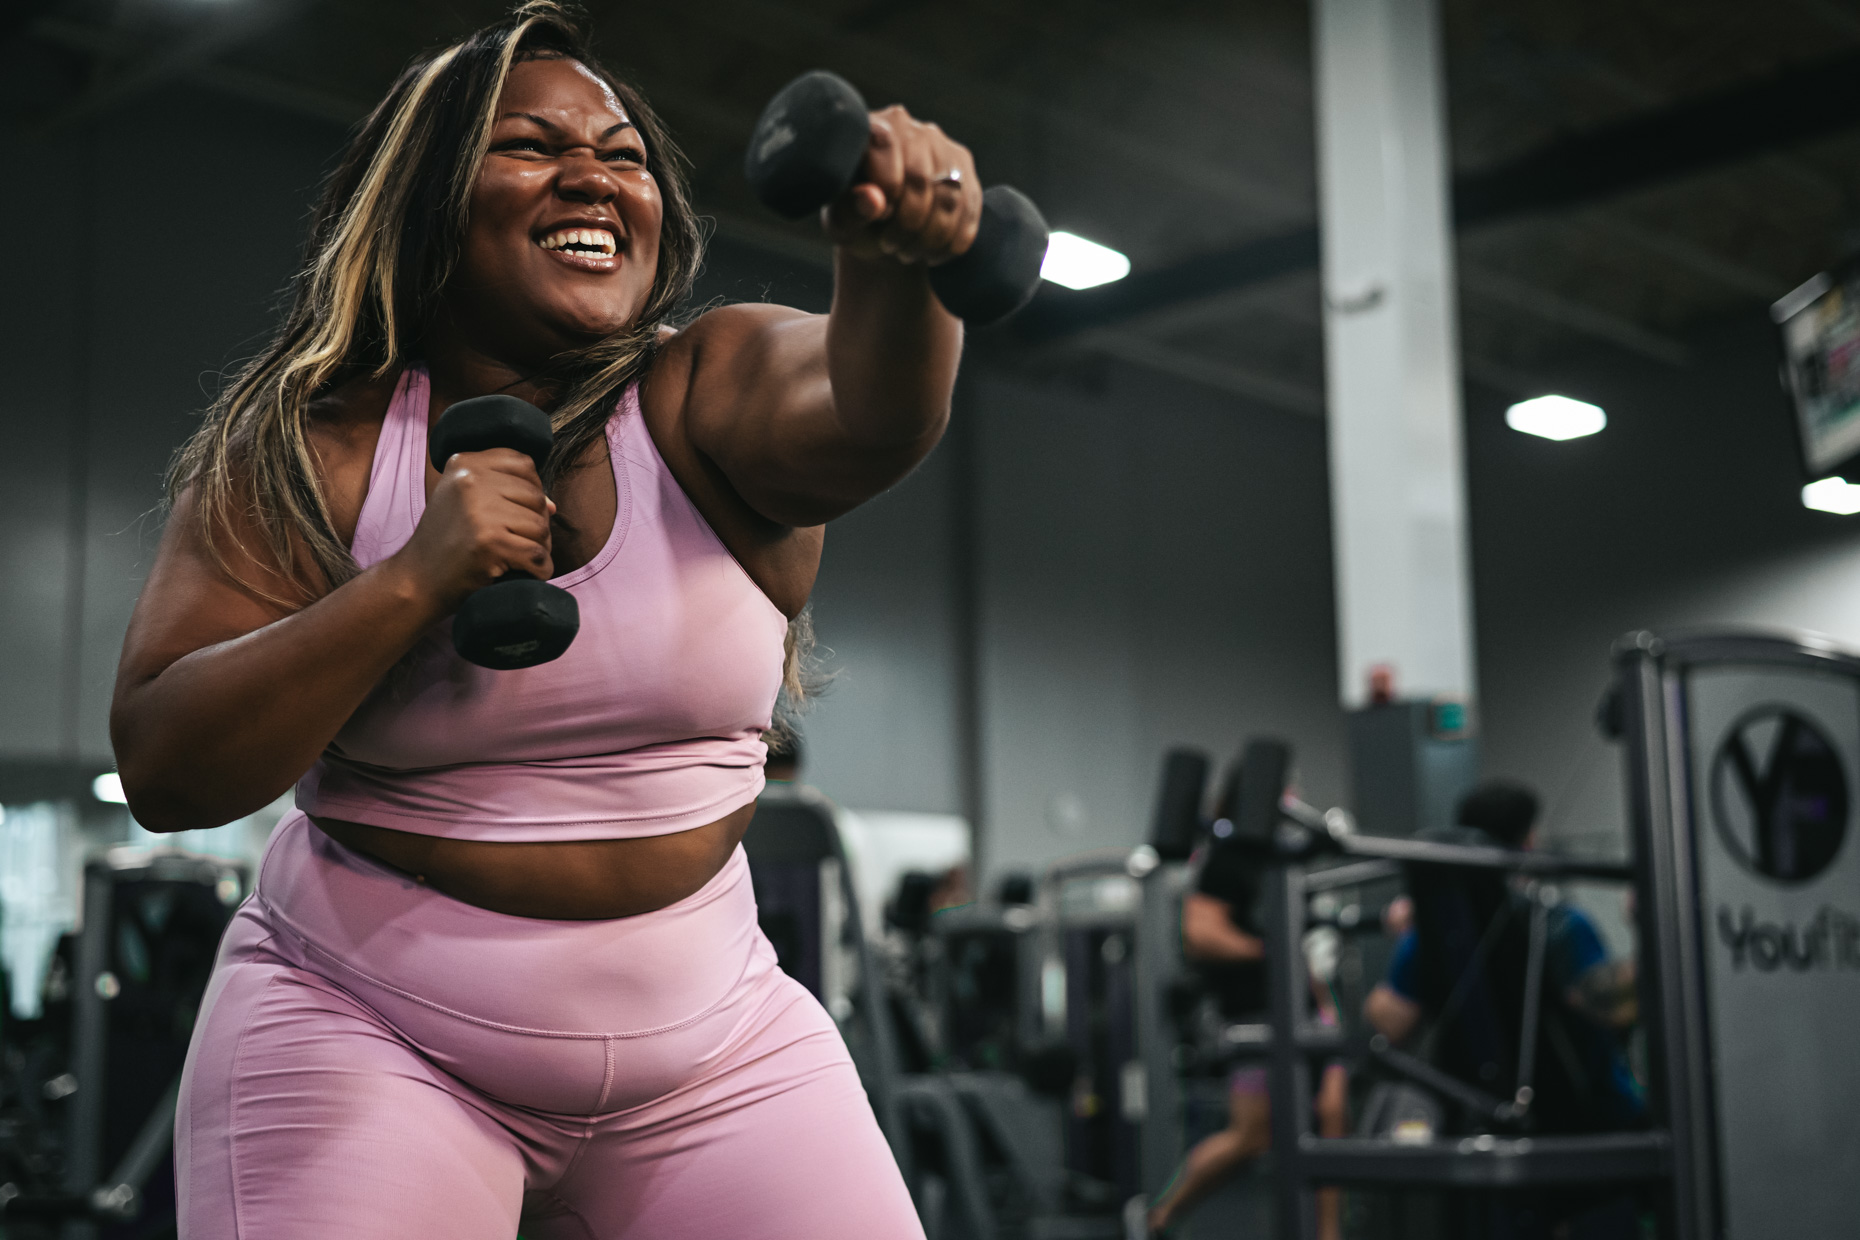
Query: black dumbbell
x=805 y=152
x=516 y=621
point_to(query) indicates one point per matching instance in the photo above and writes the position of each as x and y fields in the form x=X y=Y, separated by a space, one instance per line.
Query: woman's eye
x=627 y=155
x=520 y=144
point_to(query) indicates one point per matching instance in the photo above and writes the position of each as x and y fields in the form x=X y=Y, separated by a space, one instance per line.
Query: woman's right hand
x=227 y=693
x=487 y=516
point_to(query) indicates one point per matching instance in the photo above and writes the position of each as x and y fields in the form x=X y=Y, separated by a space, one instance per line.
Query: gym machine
x=1109 y=940
x=1094 y=917
x=987 y=985
x=1094 y=972
x=1742 y=757
x=1289 y=837
x=1742 y=752
x=808 y=907
x=128 y=987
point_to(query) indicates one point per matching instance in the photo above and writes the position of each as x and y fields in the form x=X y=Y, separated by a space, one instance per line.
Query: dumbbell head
x=486 y=422
x=516 y=621
x=1000 y=271
x=806 y=151
x=807 y=147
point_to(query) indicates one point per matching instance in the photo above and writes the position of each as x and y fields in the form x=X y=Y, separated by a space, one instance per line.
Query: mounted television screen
x=1820 y=325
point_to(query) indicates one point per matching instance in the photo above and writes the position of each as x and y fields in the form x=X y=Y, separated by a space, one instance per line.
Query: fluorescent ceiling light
x=1078 y=263
x=1555 y=417
x=109 y=787
x=1835 y=495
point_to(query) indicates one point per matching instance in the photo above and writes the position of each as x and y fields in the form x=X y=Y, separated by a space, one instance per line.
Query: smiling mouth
x=592 y=242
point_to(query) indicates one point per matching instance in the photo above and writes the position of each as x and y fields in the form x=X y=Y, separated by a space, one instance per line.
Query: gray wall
x=1155 y=571
x=1685 y=511
x=1147 y=566
x=141 y=254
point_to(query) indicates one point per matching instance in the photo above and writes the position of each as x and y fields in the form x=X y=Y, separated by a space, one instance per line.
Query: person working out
x=1220 y=933
x=1575 y=960
x=501 y=967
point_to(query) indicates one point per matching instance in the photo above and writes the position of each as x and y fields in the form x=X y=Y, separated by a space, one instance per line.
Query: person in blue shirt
x=1577 y=966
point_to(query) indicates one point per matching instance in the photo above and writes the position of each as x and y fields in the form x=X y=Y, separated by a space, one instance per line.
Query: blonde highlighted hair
x=383 y=241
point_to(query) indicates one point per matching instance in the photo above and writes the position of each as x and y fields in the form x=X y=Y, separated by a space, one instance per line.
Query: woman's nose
x=585 y=178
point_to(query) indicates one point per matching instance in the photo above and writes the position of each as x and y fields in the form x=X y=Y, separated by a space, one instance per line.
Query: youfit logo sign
x=1831 y=940
x=1779 y=795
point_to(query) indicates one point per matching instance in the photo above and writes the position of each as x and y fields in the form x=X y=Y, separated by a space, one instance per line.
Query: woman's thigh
x=302 y=1116
x=779 y=1143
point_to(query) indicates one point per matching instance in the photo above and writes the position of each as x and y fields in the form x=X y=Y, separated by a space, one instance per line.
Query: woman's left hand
x=917 y=198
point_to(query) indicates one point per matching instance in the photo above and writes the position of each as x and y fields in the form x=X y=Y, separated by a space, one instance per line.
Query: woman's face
x=562 y=234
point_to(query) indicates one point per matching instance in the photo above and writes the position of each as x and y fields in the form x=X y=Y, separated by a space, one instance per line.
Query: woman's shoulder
x=724 y=318
x=717 y=332
x=708 y=358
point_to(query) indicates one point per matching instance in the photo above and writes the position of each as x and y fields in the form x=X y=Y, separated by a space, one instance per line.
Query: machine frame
x=1679 y=1152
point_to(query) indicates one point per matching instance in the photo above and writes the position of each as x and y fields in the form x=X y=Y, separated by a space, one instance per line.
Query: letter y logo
x=1779 y=795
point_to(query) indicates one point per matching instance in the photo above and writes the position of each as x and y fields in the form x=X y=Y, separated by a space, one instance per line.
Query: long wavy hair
x=385 y=237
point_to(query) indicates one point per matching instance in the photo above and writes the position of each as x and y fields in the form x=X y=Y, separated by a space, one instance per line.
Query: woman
x=1220 y=933
x=502 y=968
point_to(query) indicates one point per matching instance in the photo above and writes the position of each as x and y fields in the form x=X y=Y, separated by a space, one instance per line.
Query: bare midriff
x=565 y=880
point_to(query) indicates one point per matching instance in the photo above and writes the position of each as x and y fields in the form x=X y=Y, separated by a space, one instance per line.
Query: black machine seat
x=803 y=908
x=789 y=828
x=788 y=839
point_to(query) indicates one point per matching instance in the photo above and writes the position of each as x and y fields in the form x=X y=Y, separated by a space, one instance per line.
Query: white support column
x=1398 y=507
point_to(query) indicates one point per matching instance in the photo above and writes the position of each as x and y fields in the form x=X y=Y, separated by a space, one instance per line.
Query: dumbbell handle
x=806 y=151
x=486 y=422
x=516 y=621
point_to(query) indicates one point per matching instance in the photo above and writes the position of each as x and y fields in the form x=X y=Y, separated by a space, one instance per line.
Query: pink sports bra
x=651 y=723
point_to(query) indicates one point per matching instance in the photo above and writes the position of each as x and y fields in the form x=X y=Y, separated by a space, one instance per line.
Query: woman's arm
x=224 y=698
x=808 y=416
x=1209 y=933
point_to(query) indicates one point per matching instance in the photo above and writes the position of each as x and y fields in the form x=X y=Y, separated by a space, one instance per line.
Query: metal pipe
x=1289 y=1078
x=1533 y=999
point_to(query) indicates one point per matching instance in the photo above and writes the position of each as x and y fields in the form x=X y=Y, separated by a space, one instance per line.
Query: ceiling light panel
x=1074 y=262
x=1836 y=495
x=1555 y=417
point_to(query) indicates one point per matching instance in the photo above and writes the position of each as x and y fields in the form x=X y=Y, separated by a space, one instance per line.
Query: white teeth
x=596 y=239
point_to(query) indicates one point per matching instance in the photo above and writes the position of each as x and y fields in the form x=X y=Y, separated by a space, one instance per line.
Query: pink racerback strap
x=397 y=483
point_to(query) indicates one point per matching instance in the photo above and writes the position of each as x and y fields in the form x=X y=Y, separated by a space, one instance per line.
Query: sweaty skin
x=772 y=420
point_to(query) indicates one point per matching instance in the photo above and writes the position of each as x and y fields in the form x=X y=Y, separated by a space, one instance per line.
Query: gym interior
x=1428 y=406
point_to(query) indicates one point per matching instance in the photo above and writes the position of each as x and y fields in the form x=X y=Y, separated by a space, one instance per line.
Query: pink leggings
x=377 y=1061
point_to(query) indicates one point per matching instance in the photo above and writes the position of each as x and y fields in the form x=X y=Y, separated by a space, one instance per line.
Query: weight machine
x=1741 y=751
x=138 y=968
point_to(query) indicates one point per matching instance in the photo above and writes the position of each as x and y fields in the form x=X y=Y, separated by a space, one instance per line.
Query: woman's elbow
x=160 y=798
x=163 y=810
